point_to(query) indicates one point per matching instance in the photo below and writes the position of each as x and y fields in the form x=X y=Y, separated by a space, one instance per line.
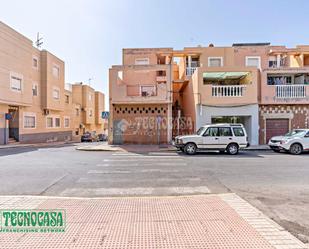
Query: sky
x=89 y=34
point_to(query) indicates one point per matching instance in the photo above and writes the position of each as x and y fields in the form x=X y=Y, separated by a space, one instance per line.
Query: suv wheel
x=232 y=149
x=296 y=149
x=190 y=148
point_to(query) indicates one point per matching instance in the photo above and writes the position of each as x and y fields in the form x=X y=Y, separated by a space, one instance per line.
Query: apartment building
x=88 y=108
x=262 y=86
x=34 y=104
x=141 y=97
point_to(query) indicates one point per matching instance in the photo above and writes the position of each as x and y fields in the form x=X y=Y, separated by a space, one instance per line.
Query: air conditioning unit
x=46 y=112
x=144 y=94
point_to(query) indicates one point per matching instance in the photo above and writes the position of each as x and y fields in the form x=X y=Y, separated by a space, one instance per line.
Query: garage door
x=276 y=127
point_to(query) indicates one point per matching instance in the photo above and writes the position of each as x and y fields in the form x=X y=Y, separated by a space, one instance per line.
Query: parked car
x=222 y=137
x=102 y=137
x=294 y=142
x=89 y=137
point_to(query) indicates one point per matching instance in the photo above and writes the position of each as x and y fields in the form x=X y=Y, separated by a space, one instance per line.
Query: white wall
x=205 y=113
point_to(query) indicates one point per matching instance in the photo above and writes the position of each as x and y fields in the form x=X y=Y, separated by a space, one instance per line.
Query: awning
x=224 y=75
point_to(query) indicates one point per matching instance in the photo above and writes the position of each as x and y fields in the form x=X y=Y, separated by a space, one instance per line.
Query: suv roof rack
x=230 y=124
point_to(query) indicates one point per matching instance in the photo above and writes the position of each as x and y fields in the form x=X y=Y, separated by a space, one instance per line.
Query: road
x=277 y=184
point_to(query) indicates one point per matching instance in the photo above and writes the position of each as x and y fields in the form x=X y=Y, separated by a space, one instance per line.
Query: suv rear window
x=238 y=132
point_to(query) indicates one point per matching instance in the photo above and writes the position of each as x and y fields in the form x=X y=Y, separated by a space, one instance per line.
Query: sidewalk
x=19 y=145
x=203 y=221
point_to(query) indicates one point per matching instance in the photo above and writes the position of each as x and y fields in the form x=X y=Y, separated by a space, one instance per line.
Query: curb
x=98 y=149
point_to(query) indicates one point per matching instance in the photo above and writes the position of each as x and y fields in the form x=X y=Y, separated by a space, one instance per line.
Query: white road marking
x=136 y=191
x=141 y=164
x=135 y=171
x=149 y=156
x=109 y=172
x=143 y=159
x=92 y=179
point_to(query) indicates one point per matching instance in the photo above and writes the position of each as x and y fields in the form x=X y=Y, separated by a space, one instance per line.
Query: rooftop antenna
x=89 y=81
x=39 y=41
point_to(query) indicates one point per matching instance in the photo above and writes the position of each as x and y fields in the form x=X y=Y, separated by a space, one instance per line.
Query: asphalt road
x=277 y=184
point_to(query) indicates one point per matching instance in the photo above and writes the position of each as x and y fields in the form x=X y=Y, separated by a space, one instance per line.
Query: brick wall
x=297 y=114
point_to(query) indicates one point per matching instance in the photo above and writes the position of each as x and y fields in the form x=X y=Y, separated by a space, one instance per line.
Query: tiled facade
x=32 y=91
x=264 y=87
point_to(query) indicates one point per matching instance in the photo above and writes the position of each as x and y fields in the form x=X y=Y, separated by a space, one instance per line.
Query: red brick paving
x=154 y=222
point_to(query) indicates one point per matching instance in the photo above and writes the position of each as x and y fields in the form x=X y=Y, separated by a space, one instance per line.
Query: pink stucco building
x=158 y=93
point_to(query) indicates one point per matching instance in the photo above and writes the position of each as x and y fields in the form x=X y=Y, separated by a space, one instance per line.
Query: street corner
x=201 y=221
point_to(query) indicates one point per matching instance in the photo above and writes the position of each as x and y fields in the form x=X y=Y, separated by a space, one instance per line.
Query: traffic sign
x=105 y=115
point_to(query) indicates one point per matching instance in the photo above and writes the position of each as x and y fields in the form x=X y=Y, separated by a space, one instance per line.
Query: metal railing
x=190 y=70
x=228 y=91
x=290 y=91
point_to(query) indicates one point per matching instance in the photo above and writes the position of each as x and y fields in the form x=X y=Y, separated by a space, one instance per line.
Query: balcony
x=190 y=71
x=142 y=90
x=291 y=91
x=150 y=93
x=222 y=95
x=228 y=91
x=285 y=94
x=140 y=84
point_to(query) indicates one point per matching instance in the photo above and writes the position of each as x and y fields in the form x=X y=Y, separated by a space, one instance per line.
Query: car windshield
x=200 y=131
x=295 y=133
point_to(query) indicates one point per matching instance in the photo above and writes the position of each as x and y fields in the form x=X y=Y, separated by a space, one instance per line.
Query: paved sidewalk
x=202 y=221
x=20 y=145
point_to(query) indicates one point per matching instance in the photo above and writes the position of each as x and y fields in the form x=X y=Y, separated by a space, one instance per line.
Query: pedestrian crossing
x=133 y=174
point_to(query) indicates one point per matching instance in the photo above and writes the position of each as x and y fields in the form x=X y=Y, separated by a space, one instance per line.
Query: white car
x=222 y=137
x=295 y=142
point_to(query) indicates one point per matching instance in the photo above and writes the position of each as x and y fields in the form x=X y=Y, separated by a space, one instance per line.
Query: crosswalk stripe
x=136 y=191
x=130 y=164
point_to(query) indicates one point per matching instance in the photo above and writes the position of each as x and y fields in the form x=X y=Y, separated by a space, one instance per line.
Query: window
x=56 y=71
x=77 y=111
x=253 y=61
x=34 y=90
x=35 y=62
x=49 y=122
x=225 y=132
x=67 y=99
x=215 y=61
x=90 y=97
x=29 y=120
x=56 y=93
x=90 y=113
x=212 y=132
x=238 y=132
x=66 y=122
x=57 y=122
x=142 y=61
x=16 y=82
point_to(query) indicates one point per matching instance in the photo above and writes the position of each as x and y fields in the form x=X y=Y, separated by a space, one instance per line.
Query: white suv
x=222 y=137
x=295 y=142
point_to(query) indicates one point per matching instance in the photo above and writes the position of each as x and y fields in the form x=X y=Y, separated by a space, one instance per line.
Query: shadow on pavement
x=18 y=150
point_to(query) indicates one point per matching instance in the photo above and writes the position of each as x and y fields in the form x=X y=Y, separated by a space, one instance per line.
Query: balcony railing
x=291 y=91
x=228 y=91
x=190 y=70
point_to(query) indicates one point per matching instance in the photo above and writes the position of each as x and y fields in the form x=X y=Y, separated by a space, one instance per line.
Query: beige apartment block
x=264 y=87
x=32 y=93
x=88 y=108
